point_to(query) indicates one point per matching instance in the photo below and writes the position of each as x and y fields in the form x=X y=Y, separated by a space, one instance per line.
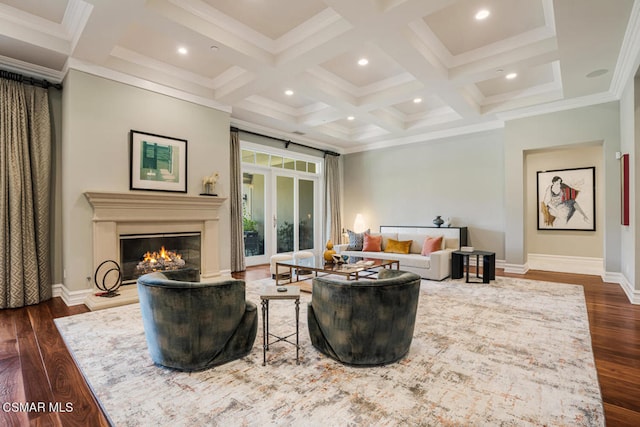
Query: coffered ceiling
x=242 y=55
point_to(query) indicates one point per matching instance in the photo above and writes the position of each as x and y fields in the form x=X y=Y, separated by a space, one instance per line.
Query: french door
x=281 y=211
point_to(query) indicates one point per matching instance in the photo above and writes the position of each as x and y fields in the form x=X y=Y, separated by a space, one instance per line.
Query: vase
x=438 y=221
x=328 y=254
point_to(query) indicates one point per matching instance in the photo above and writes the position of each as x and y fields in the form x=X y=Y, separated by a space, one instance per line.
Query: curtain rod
x=29 y=80
x=287 y=142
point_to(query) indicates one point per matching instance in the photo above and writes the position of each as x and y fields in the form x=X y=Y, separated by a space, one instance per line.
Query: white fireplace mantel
x=109 y=206
x=116 y=214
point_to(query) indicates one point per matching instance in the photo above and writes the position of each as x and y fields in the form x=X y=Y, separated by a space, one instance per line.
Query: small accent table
x=271 y=293
x=460 y=258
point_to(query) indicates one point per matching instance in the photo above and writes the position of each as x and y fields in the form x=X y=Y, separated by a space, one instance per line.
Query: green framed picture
x=158 y=163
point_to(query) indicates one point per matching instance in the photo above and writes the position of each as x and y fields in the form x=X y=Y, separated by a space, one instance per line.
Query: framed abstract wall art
x=157 y=162
x=567 y=199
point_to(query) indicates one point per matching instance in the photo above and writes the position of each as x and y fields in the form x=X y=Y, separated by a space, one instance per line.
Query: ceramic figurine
x=438 y=221
x=328 y=254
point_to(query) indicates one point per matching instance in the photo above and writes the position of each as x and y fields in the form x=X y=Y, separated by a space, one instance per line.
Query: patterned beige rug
x=510 y=353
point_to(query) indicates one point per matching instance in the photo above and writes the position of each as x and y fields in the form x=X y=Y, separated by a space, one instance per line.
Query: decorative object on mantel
x=438 y=221
x=447 y=222
x=209 y=184
x=106 y=270
x=157 y=162
x=328 y=254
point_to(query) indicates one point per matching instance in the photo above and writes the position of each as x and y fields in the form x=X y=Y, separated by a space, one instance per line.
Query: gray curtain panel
x=237 y=236
x=332 y=198
x=25 y=181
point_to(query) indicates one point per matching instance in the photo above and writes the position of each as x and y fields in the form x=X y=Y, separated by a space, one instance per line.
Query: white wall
x=564 y=129
x=97 y=117
x=629 y=115
x=461 y=177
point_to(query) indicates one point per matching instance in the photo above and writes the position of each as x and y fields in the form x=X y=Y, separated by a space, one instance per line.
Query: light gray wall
x=629 y=134
x=97 y=117
x=55 y=105
x=461 y=178
x=565 y=129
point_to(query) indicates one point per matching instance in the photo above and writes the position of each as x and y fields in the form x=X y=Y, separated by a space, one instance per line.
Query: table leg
x=265 y=340
x=297 y=331
x=468 y=261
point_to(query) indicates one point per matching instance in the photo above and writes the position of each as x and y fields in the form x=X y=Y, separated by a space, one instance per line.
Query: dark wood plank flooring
x=35 y=365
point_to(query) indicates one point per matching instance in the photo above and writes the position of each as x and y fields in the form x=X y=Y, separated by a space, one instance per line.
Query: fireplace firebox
x=143 y=253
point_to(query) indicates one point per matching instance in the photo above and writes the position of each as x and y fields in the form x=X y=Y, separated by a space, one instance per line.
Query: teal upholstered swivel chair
x=191 y=325
x=364 y=322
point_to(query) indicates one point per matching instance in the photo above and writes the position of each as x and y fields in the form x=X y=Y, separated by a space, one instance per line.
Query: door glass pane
x=289 y=164
x=301 y=166
x=305 y=212
x=253 y=215
x=276 y=161
x=248 y=156
x=262 y=159
x=284 y=203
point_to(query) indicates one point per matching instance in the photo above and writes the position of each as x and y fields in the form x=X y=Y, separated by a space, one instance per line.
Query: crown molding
x=629 y=57
x=117 y=76
x=31 y=70
x=561 y=105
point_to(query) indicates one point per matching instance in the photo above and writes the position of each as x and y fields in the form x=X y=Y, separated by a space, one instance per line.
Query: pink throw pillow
x=372 y=243
x=431 y=244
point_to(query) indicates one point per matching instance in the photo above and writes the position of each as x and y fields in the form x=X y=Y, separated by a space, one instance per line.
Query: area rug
x=510 y=353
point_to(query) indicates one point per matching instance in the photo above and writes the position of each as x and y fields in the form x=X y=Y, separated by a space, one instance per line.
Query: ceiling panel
x=460 y=32
x=380 y=66
x=161 y=45
x=31 y=54
x=51 y=10
x=427 y=103
x=271 y=19
x=526 y=79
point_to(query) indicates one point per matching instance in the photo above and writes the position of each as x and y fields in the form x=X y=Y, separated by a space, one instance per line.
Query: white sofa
x=436 y=266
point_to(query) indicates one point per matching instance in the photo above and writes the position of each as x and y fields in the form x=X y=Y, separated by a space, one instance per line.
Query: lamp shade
x=358 y=224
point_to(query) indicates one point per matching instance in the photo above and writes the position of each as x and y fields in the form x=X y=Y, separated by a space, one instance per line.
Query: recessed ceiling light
x=350 y=118
x=288 y=92
x=482 y=14
x=417 y=100
x=511 y=76
x=182 y=50
x=214 y=48
x=363 y=61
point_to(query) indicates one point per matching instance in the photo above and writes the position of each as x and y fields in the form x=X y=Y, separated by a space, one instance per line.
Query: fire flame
x=163 y=260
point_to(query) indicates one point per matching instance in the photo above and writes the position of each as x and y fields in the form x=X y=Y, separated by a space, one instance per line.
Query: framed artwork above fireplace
x=157 y=162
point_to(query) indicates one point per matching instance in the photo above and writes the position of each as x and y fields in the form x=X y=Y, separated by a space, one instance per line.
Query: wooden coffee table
x=354 y=269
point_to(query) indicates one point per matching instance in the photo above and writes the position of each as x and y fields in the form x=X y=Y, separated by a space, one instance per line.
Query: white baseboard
x=70 y=297
x=566 y=264
x=632 y=294
x=516 y=268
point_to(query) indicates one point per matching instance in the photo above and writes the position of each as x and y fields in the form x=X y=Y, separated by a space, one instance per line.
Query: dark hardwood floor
x=35 y=365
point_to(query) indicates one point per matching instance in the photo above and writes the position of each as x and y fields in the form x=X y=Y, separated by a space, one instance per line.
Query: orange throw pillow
x=398 y=246
x=372 y=243
x=431 y=244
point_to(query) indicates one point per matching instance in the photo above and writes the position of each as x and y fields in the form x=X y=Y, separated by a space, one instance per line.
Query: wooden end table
x=273 y=293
